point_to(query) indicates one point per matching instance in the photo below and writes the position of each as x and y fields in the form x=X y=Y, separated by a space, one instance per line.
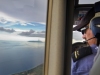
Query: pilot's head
x=83 y=27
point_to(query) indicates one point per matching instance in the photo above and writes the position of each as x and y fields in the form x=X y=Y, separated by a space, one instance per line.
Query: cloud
x=4 y=17
x=14 y=37
x=25 y=10
x=41 y=32
x=32 y=33
x=7 y=30
x=42 y=23
x=27 y=33
x=31 y=24
x=37 y=35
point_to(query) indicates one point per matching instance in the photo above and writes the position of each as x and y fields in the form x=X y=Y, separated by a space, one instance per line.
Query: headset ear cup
x=95 y=27
x=95 y=21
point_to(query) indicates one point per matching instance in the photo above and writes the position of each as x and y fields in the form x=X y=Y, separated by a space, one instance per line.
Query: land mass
x=35 y=71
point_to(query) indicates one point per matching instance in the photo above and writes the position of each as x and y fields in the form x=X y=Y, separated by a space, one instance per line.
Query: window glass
x=22 y=36
x=77 y=37
x=87 y=1
x=78 y=15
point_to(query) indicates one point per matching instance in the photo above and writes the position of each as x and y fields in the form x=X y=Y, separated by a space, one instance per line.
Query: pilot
x=81 y=64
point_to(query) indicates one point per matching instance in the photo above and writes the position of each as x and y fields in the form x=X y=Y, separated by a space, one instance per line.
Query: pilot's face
x=87 y=35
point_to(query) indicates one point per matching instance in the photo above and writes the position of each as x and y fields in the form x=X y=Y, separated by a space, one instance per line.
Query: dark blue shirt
x=83 y=66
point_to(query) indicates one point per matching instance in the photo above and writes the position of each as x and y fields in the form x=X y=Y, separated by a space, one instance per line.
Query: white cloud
x=42 y=23
x=31 y=24
x=15 y=37
x=33 y=33
x=20 y=30
x=5 y=17
x=23 y=24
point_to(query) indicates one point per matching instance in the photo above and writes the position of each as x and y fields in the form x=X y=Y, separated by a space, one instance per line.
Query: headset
x=95 y=21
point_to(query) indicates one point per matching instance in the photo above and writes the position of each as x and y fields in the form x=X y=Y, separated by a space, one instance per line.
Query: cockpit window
x=22 y=36
x=87 y=1
x=77 y=37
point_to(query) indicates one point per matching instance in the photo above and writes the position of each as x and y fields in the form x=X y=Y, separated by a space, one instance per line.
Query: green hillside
x=35 y=71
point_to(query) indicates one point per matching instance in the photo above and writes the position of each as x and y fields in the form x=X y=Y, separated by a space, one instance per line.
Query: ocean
x=18 y=56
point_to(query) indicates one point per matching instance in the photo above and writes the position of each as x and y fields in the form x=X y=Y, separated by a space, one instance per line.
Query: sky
x=25 y=10
x=23 y=20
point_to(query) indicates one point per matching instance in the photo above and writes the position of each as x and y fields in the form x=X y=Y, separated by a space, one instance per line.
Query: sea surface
x=18 y=56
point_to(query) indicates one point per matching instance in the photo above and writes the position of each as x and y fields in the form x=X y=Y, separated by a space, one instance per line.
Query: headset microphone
x=87 y=40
